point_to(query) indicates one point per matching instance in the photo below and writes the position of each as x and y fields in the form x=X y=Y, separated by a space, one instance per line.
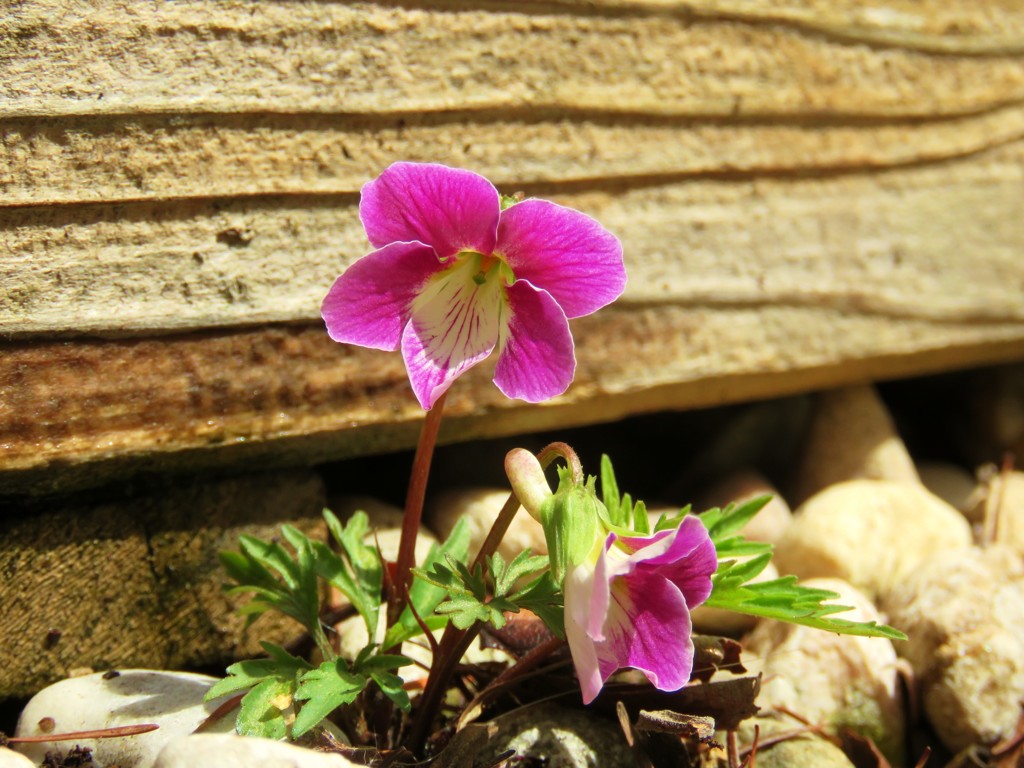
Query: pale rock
x=480 y=507
x=803 y=752
x=172 y=700
x=718 y=621
x=560 y=737
x=963 y=613
x=953 y=484
x=773 y=519
x=852 y=436
x=231 y=751
x=11 y=759
x=870 y=533
x=998 y=505
x=839 y=681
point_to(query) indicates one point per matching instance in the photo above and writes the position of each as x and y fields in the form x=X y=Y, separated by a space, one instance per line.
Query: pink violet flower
x=454 y=277
x=629 y=606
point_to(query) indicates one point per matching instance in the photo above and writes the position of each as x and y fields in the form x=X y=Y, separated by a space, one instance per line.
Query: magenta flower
x=629 y=606
x=455 y=277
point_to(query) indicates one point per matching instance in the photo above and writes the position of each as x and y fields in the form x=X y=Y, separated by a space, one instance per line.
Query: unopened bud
x=571 y=523
x=526 y=476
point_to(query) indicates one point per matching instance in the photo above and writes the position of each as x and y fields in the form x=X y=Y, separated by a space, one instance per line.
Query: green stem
x=406 y=559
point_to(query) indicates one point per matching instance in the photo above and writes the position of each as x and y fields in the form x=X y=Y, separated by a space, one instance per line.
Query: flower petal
x=537 y=361
x=564 y=252
x=688 y=562
x=579 y=583
x=449 y=209
x=648 y=628
x=369 y=304
x=455 y=323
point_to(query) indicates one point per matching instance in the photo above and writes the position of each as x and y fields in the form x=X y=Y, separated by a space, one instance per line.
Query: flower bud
x=570 y=519
x=526 y=476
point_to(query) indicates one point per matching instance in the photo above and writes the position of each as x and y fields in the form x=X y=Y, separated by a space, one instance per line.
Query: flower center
x=487 y=267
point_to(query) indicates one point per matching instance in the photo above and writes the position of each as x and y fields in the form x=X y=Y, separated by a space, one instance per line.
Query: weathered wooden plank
x=78 y=414
x=161 y=157
x=112 y=57
x=939 y=241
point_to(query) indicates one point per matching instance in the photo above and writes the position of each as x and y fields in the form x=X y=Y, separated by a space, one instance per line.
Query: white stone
x=963 y=613
x=231 y=751
x=172 y=700
x=480 y=507
x=852 y=436
x=839 y=681
x=11 y=759
x=870 y=533
x=998 y=506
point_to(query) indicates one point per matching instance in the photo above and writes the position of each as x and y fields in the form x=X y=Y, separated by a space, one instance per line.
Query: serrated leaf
x=262 y=710
x=740 y=572
x=722 y=523
x=323 y=690
x=247 y=674
x=785 y=600
x=506 y=576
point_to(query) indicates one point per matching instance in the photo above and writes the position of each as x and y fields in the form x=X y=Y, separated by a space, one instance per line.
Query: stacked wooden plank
x=808 y=193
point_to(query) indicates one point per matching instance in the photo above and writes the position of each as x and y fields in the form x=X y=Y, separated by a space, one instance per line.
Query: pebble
x=852 y=436
x=963 y=613
x=998 y=505
x=870 y=533
x=479 y=507
x=230 y=751
x=839 y=681
x=557 y=737
x=803 y=752
x=11 y=759
x=172 y=700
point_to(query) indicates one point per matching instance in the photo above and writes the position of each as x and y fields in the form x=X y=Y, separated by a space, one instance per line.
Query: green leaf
x=323 y=690
x=293 y=591
x=246 y=674
x=610 y=493
x=786 y=600
x=262 y=710
x=506 y=576
x=641 y=523
x=722 y=523
x=392 y=687
x=544 y=597
x=357 y=572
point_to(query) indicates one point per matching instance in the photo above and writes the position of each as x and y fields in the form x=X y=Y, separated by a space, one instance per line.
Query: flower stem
x=454 y=642
x=414 y=510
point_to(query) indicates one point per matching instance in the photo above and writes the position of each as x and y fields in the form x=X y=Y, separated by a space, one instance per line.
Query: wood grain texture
x=80 y=414
x=808 y=193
